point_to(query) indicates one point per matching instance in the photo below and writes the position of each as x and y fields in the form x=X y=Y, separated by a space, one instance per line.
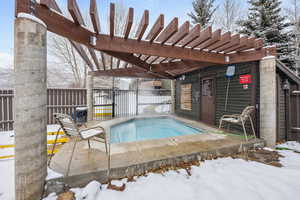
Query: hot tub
x=150 y=128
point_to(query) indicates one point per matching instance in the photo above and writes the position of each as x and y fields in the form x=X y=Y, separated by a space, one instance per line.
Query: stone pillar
x=90 y=86
x=30 y=112
x=173 y=96
x=268 y=96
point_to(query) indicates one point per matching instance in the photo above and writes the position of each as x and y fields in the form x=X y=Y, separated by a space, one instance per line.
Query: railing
x=109 y=103
x=58 y=100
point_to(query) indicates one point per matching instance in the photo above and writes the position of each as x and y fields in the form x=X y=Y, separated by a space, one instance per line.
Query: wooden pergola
x=165 y=52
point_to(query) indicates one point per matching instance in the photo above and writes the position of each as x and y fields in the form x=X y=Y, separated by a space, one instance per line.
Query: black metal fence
x=110 y=103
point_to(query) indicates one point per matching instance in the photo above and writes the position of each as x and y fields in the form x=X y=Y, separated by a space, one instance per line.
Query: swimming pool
x=149 y=128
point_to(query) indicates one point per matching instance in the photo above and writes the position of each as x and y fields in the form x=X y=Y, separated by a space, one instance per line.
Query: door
x=208 y=100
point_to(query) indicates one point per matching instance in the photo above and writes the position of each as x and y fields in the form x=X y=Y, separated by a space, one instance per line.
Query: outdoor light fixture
x=227 y=59
x=93 y=40
x=182 y=78
x=286 y=85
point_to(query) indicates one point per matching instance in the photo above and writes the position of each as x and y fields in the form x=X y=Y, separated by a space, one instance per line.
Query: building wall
x=238 y=97
x=281 y=106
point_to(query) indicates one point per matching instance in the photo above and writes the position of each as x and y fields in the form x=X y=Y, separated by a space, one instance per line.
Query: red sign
x=245 y=79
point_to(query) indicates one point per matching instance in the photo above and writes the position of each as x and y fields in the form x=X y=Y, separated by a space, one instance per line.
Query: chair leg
x=108 y=163
x=252 y=127
x=220 y=125
x=69 y=164
x=243 y=124
x=89 y=143
x=228 y=126
x=54 y=145
x=105 y=142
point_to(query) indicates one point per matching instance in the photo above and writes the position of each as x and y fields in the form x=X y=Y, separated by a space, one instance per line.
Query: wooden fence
x=58 y=100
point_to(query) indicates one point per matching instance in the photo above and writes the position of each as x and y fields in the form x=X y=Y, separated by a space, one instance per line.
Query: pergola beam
x=253 y=55
x=193 y=34
x=51 y=4
x=155 y=30
x=168 y=32
x=216 y=36
x=75 y=12
x=129 y=22
x=235 y=40
x=124 y=48
x=182 y=32
x=65 y=27
x=142 y=26
x=225 y=38
x=204 y=36
x=94 y=16
x=112 y=20
x=250 y=44
x=130 y=58
x=243 y=43
x=97 y=28
x=94 y=57
x=123 y=72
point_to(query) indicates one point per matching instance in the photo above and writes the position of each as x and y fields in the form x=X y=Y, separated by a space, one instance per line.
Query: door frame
x=201 y=78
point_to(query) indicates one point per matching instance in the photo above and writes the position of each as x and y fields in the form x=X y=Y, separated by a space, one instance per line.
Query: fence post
x=30 y=108
x=137 y=96
x=90 y=101
x=173 y=88
x=113 y=97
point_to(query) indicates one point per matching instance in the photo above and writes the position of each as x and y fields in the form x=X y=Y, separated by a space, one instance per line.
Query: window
x=186 y=97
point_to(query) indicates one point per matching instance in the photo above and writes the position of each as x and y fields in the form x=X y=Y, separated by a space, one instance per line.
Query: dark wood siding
x=281 y=125
x=238 y=99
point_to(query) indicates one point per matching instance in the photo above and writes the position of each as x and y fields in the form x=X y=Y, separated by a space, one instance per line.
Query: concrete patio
x=136 y=158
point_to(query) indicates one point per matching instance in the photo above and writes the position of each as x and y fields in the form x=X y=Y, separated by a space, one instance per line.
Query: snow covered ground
x=224 y=178
x=290 y=145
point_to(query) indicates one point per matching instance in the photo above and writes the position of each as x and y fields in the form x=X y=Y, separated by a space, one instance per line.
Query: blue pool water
x=150 y=128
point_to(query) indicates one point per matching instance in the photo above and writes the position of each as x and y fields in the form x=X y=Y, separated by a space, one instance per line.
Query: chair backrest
x=67 y=124
x=247 y=112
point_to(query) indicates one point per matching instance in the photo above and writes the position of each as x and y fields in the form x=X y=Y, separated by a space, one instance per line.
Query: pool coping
x=208 y=131
x=107 y=125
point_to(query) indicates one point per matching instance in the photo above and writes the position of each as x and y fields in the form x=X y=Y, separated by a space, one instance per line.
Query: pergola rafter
x=154 y=56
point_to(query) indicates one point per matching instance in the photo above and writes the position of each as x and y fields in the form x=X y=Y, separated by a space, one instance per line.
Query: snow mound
x=52 y=174
x=89 y=192
x=293 y=145
x=31 y=17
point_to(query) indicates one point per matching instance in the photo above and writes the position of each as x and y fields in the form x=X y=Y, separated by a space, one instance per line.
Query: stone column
x=30 y=113
x=173 y=97
x=90 y=86
x=268 y=96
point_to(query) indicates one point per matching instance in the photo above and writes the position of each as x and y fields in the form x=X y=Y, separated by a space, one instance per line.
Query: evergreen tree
x=203 y=12
x=265 y=21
